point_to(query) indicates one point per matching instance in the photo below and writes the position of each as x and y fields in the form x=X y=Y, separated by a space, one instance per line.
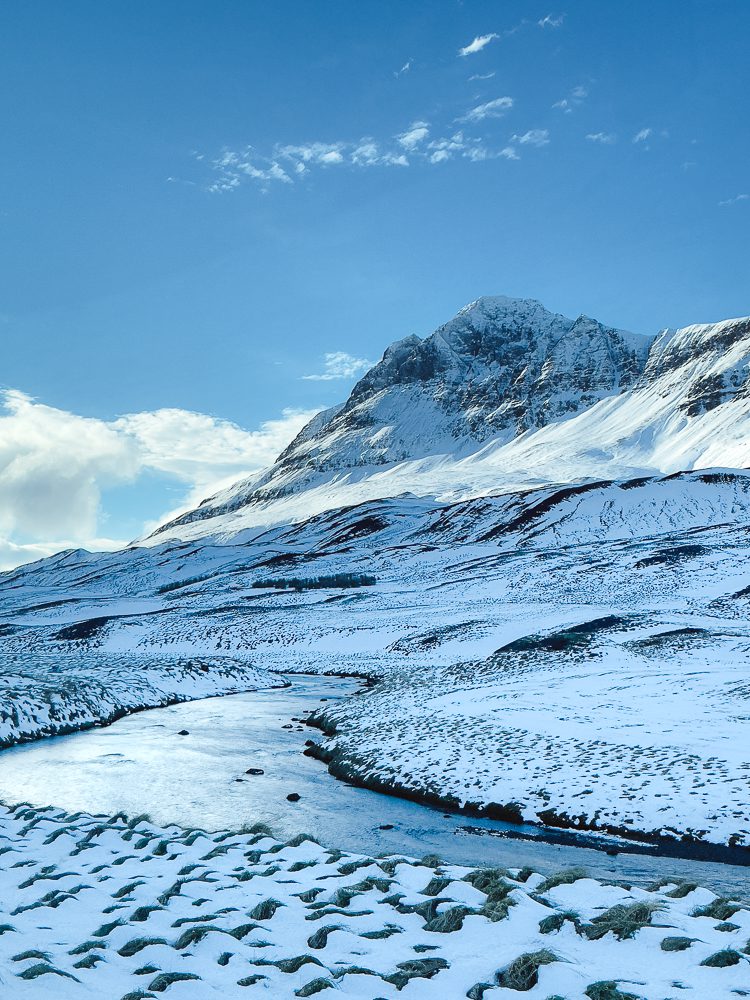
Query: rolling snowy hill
x=573 y=655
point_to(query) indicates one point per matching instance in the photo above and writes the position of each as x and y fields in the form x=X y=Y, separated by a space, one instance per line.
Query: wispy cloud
x=415 y=134
x=419 y=143
x=323 y=153
x=339 y=365
x=288 y=162
x=605 y=138
x=460 y=145
x=643 y=135
x=405 y=68
x=551 y=21
x=292 y=163
x=443 y=149
x=534 y=137
x=234 y=167
x=481 y=76
x=479 y=43
x=737 y=198
x=367 y=153
x=490 y=109
x=576 y=97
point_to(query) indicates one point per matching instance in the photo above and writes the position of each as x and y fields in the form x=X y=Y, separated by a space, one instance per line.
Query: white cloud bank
x=54 y=466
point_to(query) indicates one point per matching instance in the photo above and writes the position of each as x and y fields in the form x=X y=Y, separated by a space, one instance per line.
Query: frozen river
x=141 y=764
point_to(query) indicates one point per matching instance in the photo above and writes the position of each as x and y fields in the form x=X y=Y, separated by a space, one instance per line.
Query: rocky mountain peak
x=494 y=340
x=506 y=395
x=501 y=367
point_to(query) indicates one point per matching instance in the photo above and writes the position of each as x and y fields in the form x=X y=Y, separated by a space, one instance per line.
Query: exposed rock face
x=710 y=360
x=499 y=368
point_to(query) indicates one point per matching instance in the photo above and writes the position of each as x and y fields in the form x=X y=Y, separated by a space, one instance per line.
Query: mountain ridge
x=506 y=395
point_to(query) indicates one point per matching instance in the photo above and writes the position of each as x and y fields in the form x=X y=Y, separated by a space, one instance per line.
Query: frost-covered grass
x=95 y=906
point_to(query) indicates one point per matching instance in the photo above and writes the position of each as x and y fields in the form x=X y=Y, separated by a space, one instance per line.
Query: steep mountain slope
x=506 y=396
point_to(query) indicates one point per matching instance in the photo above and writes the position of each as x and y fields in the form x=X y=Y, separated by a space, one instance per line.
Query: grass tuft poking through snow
x=203 y=919
x=523 y=972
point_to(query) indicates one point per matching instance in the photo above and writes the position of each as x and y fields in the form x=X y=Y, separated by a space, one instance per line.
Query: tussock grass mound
x=565 y=877
x=622 y=920
x=523 y=972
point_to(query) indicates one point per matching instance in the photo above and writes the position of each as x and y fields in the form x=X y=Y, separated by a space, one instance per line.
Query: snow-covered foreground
x=573 y=655
x=110 y=908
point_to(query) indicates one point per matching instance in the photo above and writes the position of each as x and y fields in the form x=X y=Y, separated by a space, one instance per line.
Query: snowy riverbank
x=50 y=695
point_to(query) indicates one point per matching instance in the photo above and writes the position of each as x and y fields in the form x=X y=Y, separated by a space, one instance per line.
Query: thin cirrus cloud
x=733 y=201
x=643 y=135
x=415 y=144
x=459 y=145
x=603 y=138
x=490 y=109
x=339 y=365
x=573 y=100
x=480 y=42
x=534 y=137
x=326 y=153
x=55 y=466
x=415 y=134
x=421 y=142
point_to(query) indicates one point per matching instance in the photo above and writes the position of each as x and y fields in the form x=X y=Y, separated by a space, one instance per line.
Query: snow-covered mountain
x=533 y=531
x=506 y=396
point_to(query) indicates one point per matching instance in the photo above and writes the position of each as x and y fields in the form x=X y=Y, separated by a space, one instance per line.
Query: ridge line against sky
x=212 y=218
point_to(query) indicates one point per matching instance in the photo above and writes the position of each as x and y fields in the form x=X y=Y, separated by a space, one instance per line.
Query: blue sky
x=201 y=201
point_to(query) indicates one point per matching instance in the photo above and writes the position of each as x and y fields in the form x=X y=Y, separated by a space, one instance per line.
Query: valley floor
x=108 y=907
x=535 y=655
x=577 y=657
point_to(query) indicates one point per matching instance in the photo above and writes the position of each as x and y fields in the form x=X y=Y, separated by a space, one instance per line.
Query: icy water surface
x=141 y=764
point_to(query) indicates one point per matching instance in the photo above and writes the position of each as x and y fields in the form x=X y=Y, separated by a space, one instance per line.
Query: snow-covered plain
x=108 y=907
x=572 y=656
